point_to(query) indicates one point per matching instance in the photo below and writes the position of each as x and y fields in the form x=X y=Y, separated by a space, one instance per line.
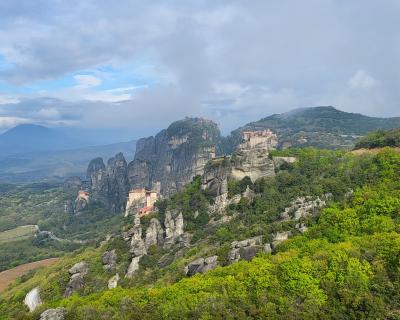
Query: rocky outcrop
x=154 y=234
x=201 y=265
x=32 y=299
x=279 y=237
x=215 y=177
x=245 y=249
x=54 y=314
x=173 y=227
x=76 y=282
x=109 y=260
x=170 y=160
x=113 y=282
x=109 y=185
x=137 y=244
x=133 y=267
x=253 y=163
x=302 y=207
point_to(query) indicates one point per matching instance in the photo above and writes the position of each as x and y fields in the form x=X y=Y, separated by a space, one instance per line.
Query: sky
x=128 y=68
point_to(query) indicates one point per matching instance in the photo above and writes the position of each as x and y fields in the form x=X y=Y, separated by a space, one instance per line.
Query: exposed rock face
x=109 y=260
x=76 y=282
x=154 y=234
x=173 y=227
x=171 y=159
x=54 y=314
x=109 y=185
x=113 y=282
x=201 y=265
x=280 y=237
x=253 y=163
x=118 y=182
x=137 y=245
x=302 y=207
x=215 y=177
x=133 y=267
x=81 y=201
x=32 y=299
x=245 y=249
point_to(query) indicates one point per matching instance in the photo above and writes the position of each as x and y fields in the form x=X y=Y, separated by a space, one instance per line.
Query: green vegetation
x=379 y=139
x=19 y=233
x=320 y=127
x=43 y=204
x=346 y=266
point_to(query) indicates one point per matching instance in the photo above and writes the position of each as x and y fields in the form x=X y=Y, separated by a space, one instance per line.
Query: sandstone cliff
x=109 y=185
x=174 y=156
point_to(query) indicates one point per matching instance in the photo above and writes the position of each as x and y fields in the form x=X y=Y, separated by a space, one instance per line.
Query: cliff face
x=174 y=156
x=109 y=185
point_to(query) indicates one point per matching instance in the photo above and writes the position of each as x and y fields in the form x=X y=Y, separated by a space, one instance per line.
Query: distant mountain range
x=27 y=138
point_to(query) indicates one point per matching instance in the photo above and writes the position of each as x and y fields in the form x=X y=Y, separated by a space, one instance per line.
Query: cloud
x=10 y=122
x=87 y=81
x=362 y=80
x=234 y=62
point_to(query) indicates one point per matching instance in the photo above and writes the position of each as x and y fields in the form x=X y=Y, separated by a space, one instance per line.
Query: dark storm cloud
x=233 y=61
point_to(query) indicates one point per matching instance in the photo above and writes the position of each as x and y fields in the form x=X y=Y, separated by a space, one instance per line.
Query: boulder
x=32 y=299
x=76 y=281
x=113 y=281
x=245 y=249
x=80 y=267
x=201 y=265
x=109 y=260
x=279 y=237
x=53 y=314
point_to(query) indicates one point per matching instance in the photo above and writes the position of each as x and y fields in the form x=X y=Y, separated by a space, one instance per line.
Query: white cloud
x=87 y=81
x=49 y=113
x=10 y=122
x=6 y=99
x=362 y=80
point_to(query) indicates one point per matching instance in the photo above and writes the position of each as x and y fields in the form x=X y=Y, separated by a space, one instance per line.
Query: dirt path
x=8 y=276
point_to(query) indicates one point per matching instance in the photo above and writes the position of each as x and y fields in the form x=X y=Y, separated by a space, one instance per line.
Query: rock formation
x=154 y=234
x=81 y=201
x=170 y=160
x=113 y=282
x=201 y=265
x=109 y=260
x=76 y=282
x=32 y=299
x=245 y=249
x=280 y=237
x=109 y=185
x=133 y=267
x=302 y=207
x=53 y=314
x=173 y=227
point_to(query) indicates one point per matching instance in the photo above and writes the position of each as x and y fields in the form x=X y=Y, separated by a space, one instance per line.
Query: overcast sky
x=138 y=65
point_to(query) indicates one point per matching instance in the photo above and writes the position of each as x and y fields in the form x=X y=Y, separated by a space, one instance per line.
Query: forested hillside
x=344 y=265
